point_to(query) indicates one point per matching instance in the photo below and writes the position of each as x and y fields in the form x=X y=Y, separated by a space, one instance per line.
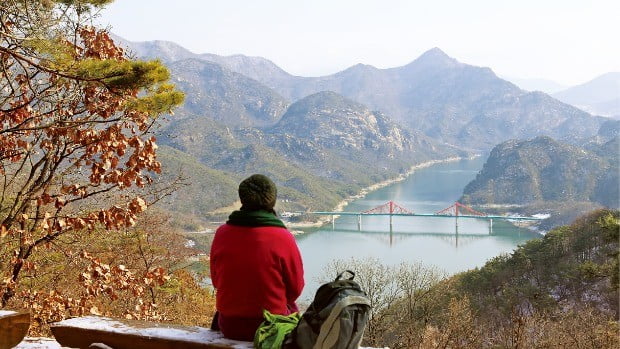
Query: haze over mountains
x=535 y=84
x=326 y=137
x=600 y=96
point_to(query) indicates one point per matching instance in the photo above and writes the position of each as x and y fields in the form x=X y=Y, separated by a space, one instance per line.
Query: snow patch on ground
x=38 y=343
x=6 y=313
x=542 y=215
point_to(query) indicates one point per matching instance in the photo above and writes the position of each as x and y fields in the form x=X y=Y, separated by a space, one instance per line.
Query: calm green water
x=431 y=241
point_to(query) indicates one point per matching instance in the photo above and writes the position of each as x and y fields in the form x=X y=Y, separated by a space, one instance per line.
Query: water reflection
x=443 y=249
x=393 y=237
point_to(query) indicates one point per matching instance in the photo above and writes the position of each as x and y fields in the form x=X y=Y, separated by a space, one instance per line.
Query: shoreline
x=365 y=191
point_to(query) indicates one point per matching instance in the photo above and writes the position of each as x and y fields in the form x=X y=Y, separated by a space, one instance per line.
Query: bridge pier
x=490 y=226
x=391 y=223
x=333 y=223
x=359 y=222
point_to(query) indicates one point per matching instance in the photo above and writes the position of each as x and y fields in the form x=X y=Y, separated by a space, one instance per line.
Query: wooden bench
x=124 y=334
x=13 y=327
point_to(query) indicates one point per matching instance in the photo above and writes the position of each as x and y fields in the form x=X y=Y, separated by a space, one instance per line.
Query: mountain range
x=324 y=138
x=600 y=96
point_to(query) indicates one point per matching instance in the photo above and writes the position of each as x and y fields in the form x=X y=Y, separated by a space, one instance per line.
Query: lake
x=431 y=241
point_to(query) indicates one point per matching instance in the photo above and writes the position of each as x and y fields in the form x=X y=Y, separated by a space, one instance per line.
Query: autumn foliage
x=75 y=147
x=143 y=272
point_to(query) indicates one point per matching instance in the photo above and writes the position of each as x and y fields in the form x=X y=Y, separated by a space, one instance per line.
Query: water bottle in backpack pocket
x=336 y=318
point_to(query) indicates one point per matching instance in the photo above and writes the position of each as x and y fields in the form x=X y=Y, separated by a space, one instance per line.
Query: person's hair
x=258 y=192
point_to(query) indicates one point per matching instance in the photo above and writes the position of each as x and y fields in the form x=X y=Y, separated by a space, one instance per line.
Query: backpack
x=336 y=318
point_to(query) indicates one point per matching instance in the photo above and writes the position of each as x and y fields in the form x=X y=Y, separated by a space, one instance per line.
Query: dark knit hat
x=257 y=192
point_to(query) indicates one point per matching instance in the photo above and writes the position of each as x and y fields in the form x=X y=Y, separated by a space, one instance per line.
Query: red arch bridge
x=391 y=209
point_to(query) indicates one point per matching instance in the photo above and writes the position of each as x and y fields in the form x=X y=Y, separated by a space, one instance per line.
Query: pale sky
x=569 y=41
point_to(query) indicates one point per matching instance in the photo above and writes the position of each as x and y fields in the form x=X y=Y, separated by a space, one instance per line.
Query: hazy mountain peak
x=435 y=57
x=362 y=66
x=435 y=51
x=167 y=51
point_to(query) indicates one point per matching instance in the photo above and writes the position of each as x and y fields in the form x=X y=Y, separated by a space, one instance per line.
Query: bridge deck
x=329 y=213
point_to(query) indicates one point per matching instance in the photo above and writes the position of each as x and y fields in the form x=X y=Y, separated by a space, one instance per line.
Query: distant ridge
x=257 y=68
x=600 y=96
x=535 y=84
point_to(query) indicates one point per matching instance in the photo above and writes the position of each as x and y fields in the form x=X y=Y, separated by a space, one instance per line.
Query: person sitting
x=255 y=262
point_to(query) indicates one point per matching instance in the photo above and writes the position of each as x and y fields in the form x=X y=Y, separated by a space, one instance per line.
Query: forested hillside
x=545 y=175
x=559 y=291
x=542 y=169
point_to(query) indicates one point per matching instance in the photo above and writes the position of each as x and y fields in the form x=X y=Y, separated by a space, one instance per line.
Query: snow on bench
x=13 y=327
x=119 y=334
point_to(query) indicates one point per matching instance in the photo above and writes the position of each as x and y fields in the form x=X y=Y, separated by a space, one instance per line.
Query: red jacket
x=255 y=268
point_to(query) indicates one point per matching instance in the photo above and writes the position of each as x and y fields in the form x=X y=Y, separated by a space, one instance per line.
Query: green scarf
x=260 y=218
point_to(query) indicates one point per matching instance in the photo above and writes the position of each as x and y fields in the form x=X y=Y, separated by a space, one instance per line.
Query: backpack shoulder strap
x=326 y=335
x=341 y=275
